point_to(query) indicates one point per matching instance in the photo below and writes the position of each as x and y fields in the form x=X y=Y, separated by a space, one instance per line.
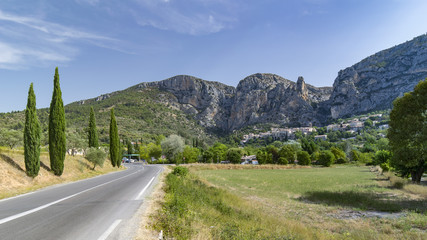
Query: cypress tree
x=31 y=136
x=93 y=132
x=114 y=141
x=57 y=143
x=121 y=151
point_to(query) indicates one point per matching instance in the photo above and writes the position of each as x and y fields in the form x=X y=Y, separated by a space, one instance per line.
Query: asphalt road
x=93 y=209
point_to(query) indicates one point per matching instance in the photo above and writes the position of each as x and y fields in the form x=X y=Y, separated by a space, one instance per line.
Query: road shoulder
x=149 y=207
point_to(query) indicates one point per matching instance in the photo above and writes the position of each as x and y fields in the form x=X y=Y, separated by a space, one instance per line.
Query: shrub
x=339 y=155
x=96 y=156
x=326 y=158
x=303 y=158
x=385 y=167
x=382 y=156
x=180 y=171
x=395 y=181
x=283 y=161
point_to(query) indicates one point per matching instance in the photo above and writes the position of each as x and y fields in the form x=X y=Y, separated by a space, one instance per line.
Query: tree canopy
x=172 y=146
x=408 y=133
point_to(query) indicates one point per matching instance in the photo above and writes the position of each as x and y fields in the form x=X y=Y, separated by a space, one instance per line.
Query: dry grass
x=197 y=166
x=152 y=205
x=14 y=181
x=416 y=189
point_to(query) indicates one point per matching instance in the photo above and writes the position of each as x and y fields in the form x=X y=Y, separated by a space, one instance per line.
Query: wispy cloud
x=196 y=17
x=28 y=41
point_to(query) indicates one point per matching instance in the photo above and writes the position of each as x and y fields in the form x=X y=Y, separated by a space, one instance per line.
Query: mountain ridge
x=193 y=107
x=369 y=85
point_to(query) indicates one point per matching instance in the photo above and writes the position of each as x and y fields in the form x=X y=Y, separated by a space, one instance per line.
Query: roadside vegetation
x=342 y=202
x=14 y=181
x=195 y=210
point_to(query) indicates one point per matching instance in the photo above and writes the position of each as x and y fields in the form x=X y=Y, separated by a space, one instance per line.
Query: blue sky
x=101 y=46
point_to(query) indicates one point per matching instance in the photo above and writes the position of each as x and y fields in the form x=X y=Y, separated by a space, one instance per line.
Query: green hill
x=142 y=114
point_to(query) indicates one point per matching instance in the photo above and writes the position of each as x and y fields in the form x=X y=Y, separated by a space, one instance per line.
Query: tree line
x=57 y=136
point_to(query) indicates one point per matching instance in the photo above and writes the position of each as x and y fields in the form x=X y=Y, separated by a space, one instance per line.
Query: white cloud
x=28 y=41
x=195 y=17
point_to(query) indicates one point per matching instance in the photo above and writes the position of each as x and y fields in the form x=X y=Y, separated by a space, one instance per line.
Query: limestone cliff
x=268 y=98
x=376 y=81
x=371 y=84
x=209 y=102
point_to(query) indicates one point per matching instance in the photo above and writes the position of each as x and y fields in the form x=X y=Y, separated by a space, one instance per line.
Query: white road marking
x=143 y=190
x=110 y=230
x=54 y=186
x=13 y=217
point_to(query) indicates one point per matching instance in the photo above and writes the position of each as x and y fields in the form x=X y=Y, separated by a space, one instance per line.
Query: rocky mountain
x=376 y=81
x=258 y=98
x=369 y=85
x=262 y=98
x=209 y=102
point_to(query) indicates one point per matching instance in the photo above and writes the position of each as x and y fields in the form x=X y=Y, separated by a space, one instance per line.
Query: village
x=352 y=126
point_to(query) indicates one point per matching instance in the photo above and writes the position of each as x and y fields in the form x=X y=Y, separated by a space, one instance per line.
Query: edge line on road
x=143 y=190
x=110 y=230
x=13 y=217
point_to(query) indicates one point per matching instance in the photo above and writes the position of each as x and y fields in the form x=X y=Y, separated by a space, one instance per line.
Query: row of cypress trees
x=57 y=141
x=114 y=137
x=57 y=147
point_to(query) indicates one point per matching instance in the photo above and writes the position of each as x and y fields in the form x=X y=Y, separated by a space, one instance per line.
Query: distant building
x=356 y=124
x=321 y=137
x=248 y=159
x=333 y=127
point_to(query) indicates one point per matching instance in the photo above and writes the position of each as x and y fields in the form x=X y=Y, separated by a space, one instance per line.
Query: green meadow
x=342 y=202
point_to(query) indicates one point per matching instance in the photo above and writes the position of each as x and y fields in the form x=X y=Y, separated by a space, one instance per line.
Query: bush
x=303 y=158
x=180 y=171
x=283 y=161
x=385 y=167
x=339 y=155
x=96 y=156
x=395 y=181
x=382 y=156
x=326 y=158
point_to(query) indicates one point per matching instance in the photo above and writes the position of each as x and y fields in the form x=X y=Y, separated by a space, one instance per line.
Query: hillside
x=376 y=81
x=14 y=181
x=196 y=108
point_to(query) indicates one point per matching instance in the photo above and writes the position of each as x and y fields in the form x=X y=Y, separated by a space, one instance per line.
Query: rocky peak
x=376 y=81
x=302 y=88
x=208 y=101
x=262 y=81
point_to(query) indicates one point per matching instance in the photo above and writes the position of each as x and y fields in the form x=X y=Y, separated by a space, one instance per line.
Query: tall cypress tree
x=31 y=136
x=120 y=152
x=114 y=141
x=93 y=133
x=57 y=142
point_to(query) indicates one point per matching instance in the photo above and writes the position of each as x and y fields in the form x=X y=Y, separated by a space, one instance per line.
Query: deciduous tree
x=172 y=146
x=96 y=156
x=408 y=133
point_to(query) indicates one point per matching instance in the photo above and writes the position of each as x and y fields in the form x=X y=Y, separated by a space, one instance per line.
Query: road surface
x=93 y=209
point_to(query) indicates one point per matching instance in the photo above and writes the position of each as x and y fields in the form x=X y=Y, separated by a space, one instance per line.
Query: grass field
x=14 y=181
x=339 y=202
